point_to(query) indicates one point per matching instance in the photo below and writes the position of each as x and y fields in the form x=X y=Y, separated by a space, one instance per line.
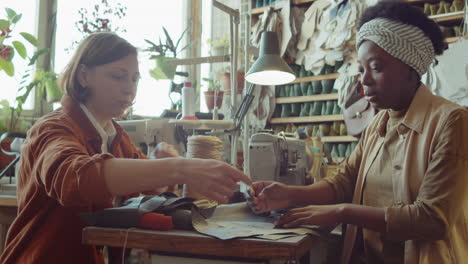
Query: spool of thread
x=188 y=102
x=202 y=147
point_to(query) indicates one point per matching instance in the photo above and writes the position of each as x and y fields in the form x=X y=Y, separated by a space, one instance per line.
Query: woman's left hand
x=322 y=215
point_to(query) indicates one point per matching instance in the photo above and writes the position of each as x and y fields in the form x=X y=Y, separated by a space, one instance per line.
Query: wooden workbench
x=193 y=243
x=8 y=212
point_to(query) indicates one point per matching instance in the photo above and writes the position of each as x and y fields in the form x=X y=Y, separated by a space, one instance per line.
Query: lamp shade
x=270 y=68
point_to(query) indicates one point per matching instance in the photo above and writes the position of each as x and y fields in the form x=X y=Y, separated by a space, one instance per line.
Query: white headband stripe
x=404 y=42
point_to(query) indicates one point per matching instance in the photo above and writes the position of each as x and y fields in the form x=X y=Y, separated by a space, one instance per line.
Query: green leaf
x=4 y=24
x=188 y=45
x=10 y=12
x=37 y=54
x=20 y=48
x=181 y=36
x=53 y=92
x=150 y=42
x=7 y=66
x=168 y=39
x=16 y=18
x=30 y=38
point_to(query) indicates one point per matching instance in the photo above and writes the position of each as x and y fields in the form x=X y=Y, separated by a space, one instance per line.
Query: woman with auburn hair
x=76 y=159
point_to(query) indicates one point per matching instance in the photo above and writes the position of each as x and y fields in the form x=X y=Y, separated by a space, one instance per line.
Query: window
x=143 y=20
x=205 y=69
x=27 y=23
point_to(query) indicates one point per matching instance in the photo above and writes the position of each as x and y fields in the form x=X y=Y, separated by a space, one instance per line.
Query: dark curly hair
x=408 y=14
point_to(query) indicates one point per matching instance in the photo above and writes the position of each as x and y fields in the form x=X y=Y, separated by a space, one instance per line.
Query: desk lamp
x=268 y=69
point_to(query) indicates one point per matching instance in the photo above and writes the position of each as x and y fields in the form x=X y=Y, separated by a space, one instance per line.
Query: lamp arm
x=244 y=107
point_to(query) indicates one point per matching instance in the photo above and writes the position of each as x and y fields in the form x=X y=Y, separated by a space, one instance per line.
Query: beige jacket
x=430 y=180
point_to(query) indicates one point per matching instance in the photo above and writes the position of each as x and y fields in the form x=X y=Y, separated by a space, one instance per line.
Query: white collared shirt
x=107 y=133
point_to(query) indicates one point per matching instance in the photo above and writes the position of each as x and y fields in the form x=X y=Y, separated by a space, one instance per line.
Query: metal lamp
x=270 y=68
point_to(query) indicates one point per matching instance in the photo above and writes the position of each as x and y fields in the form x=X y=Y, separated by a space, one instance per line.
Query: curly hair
x=408 y=14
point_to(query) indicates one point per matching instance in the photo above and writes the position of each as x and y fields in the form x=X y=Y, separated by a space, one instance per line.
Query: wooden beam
x=199 y=60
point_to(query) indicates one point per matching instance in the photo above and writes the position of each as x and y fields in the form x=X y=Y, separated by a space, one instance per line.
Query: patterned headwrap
x=405 y=42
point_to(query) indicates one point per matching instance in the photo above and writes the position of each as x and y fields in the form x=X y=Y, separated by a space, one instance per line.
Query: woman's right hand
x=214 y=179
x=269 y=195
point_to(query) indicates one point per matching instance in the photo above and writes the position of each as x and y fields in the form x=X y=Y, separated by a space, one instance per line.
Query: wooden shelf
x=307 y=119
x=307 y=98
x=415 y=1
x=300 y=2
x=452 y=39
x=339 y=139
x=316 y=78
x=260 y=10
x=454 y=16
x=8 y=200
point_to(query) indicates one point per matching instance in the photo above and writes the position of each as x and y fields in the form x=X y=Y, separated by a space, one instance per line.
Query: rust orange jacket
x=60 y=176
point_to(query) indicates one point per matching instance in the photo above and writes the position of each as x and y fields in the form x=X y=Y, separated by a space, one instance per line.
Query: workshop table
x=198 y=245
x=8 y=212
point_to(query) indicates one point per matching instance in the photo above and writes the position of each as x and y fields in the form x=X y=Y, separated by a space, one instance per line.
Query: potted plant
x=7 y=52
x=163 y=51
x=219 y=46
x=43 y=81
x=226 y=80
x=213 y=95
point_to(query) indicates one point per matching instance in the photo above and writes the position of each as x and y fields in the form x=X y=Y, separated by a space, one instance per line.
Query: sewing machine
x=277 y=158
x=147 y=133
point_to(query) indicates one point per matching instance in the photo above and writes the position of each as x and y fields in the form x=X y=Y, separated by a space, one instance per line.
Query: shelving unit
x=445 y=19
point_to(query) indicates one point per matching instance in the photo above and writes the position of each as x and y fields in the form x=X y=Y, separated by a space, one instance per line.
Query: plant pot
x=162 y=70
x=219 y=51
x=210 y=99
x=5 y=159
x=226 y=78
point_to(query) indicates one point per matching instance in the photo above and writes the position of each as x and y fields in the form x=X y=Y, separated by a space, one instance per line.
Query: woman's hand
x=322 y=215
x=164 y=150
x=268 y=195
x=214 y=179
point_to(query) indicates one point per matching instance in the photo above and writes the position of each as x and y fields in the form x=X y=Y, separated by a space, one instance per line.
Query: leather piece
x=129 y=214
x=358 y=112
x=358 y=116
